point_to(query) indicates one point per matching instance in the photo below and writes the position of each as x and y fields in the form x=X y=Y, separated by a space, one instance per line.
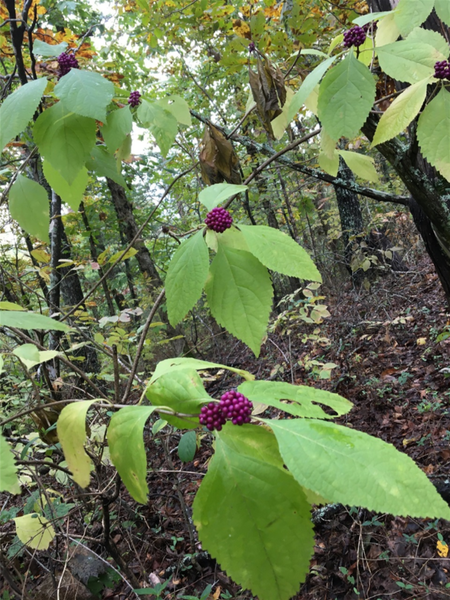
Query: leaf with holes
x=304 y=401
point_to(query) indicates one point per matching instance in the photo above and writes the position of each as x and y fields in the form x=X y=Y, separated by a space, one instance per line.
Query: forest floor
x=391 y=366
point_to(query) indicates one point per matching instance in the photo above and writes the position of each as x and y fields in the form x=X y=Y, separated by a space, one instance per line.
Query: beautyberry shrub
x=354 y=36
x=219 y=219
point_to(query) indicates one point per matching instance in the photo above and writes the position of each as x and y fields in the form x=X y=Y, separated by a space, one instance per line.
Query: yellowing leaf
x=421 y=341
x=34 y=531
x=442 y=548
x=72 y=435
x=241 y=29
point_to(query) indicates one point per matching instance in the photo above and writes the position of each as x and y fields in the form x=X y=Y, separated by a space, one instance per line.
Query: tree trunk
x=351 y=220
x=129 y=228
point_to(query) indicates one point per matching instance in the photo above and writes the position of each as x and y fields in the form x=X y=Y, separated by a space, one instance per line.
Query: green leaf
x=45 y=50
x=433 y=133
x=307 y=87
x=10 y=306
x=370 y=17
x=252 y=516
x=28 y=320
x=409 y=61
x=387 y=31
x=178 y=107
x=279 y=252
x=85 y=93
x=64 y=139
x=411 y=13
x=128 y=254
x=239 y=295
x=194 y=363
x=329 y=165
x=162 y=124
x=432 y=38
x=18 y=109
x=442 y=8
x=34 y=531
x=346 y=96
x=72 y=194
x=118 y=125
x=8 y=470
x=105 y=165
x=31 y=356
x=187 y=446
x=71 y=428
x=401 y=112
x=181 y=391
x=348 y=466
x=362 y=165
x=304 y=401
x=29 y=206
x=280 y=123
x=127 y=450
x=213 y=195
x=186 y=277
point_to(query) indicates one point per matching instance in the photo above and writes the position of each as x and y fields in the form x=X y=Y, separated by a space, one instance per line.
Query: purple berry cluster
x=219 y=219
x=66 y=62
x=251 y=47
x=233 y=407
x=134 y=99
x=442 y=69
x=354 y=36
x=236 y=408
x=212 y=417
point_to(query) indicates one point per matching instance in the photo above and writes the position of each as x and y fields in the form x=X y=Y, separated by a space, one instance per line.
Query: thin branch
x=130 y=245
x=134 y=367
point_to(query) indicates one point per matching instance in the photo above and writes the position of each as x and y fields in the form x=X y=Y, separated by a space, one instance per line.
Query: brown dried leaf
x=268 y=91
x=218 y=159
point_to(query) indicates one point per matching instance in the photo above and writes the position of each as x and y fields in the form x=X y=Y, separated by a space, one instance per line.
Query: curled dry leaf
x=218 y=159
x=269 y=92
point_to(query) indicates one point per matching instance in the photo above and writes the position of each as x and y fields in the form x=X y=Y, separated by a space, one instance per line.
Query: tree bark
x=128 y=226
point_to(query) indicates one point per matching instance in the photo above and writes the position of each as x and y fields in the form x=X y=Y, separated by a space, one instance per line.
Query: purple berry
x=218 y=219
x=251 y=47
x=354 y=36
x=442 y=69
x=211 y=416
x=66 y=62
x=236 y=407
x=134 y=99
